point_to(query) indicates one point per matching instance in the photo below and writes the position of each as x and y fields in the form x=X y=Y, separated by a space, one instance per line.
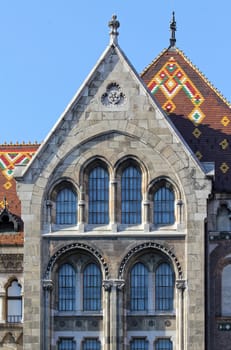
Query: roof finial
x=114 y=25
x=173 y=30
x=5 y=202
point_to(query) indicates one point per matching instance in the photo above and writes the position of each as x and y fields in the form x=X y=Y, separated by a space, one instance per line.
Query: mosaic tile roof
x=197 y=109
x=10 y=156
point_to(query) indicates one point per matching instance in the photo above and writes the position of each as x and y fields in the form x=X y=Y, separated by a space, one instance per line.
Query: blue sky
x=48 y=47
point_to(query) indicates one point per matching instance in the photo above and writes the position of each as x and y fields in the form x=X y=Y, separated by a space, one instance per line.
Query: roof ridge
x=23 y=143
x=153 y=61
x=206 y=80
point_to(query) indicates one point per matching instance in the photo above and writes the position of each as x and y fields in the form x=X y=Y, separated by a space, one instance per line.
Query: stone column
x=2 y=306
x=107 y=285
x=146 y=204
x=180 y=287
x=114 y=314
x=112 y=207
x=81 y=204
x=49 y=221
x=47 y=288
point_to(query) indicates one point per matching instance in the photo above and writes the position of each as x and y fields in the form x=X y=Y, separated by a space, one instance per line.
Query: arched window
x=139 y=344
x=98 y=195
x=164 y=287
x=223 y=218
x=66 y=207
x=163 y=344
x=226 y=291
x=66 y=288
x=131 y=195
x=92 y=288
x=139 y=287
x=91 y=344
x=163 y=208
x=66 y=344
x=14 y=302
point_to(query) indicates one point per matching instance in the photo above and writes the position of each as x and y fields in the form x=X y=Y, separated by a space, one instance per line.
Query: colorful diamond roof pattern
x=196 y=108
x=10 y=156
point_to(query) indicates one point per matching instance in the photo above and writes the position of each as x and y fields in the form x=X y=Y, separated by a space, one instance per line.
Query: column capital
x=113 y=283
x=47 y=285
x=181 y=284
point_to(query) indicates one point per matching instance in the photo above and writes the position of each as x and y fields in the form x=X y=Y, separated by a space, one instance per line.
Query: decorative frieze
x=11 y=263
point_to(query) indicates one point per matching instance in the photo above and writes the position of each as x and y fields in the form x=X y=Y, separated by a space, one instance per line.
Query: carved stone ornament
x=181 y=284
x=109 y=284
x=47 y=285
x=113 y=95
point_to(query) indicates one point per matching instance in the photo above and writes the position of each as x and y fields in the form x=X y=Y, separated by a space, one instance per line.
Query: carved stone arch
x=57 y=184
x=85 y=166
x=151 y=245
x=8 y=338
x=74 y=246
x=157 y=182
x=131 y=158
x=10 y=279
x=10 y=222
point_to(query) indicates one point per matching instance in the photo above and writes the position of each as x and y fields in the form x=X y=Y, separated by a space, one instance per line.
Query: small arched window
x=66 y=344
x=163 y=344
x=91 y=344
x=66 y=288
x=139 y=287
x=131 y=195
x=139 y=344
x=92 y=282
x=164 y=287
x=98 y=195
x=223 y=218
x=66 y=207
x=163 y=207
x=14 y=302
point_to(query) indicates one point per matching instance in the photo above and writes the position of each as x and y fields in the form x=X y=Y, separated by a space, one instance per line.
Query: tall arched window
x=226 y=291
x=131 y=195
x=66 y=207
x=163 y=344
x=98 y=195
x=66 y=288
x=14 y=302
x=139 y=287
x=164 y=287
x=92 y=282
x=163 y=208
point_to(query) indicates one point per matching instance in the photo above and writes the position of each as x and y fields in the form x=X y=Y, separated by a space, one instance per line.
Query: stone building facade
x=126 y=228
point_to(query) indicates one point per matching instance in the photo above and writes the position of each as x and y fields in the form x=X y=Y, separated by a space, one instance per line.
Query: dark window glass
x=66 y=344
x=164 y=206
x=163 y=344
x=14 y=303
x=98 y=196
x=92 y=288
x=164 y=290
x=66 y=288
x=139 y=287
x=131 y=196
x=91 y=344
x=66 y=207
x=139 y=344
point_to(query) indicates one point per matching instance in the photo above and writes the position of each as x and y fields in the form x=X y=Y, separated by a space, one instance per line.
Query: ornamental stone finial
x=173 y=31
x=113 y=24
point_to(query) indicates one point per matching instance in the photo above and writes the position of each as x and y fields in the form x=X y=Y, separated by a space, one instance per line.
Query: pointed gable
x=113 y=98
x=196 y=108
